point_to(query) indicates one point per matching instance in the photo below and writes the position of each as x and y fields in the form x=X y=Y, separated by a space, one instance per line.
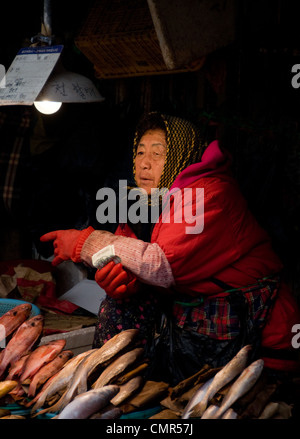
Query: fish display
x=21 y=342
x=17 y=367
x=60 y=381
x=127 y=389
x=41 y=356
x=233 y=368
x=109 y=381
x=117 y=367
x=48 y=370
x=210 y=411
x=244 y=382
x=13 y=318
x=196 y=399
x=104 y=354
x=71 y=389
x=88 y=403
x=99 y=357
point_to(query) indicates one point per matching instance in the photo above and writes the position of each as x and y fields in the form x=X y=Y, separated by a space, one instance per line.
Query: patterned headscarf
x=184 y=147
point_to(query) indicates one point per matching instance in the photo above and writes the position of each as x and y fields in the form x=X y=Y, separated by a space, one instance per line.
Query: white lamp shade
x=68 y=87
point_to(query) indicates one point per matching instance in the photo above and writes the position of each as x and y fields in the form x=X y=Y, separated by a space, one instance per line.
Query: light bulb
x=47 y=107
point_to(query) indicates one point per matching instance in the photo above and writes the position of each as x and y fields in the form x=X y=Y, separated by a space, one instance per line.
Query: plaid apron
x=210 y=330
x=218 y=317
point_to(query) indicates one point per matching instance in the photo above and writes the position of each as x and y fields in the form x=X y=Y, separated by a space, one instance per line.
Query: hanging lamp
x=62 y=85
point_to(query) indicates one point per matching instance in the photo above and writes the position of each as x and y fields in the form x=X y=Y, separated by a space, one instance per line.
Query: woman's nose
x=145 y=162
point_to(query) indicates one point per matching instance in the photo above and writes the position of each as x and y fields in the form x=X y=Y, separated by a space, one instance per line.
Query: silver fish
x=243 y=383
x=117 y=367
x=106 y=353
x=110 y=413
x=59 y=381
x=127 y=390
x=233 y=368
x=88 y=403
x=196 y=399
x=100 y=356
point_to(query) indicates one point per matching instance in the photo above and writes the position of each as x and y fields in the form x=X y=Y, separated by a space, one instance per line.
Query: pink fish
x=41 y=356
x=21 y=342
x=13 y=318
x=17 y=367
x=47 y=371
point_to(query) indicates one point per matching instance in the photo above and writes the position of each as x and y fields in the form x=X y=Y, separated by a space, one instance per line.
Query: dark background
x=242 y=95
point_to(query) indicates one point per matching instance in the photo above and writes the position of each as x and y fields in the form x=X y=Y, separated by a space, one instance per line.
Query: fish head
x=58 y=343
x=247 y=348
x=66 y=355
x=20 y=310
x=35 y=321
x=23 y=308
x=258 y=364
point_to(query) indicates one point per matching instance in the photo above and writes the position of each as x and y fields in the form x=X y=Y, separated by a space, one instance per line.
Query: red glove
x=116 y=281
x=67 y=243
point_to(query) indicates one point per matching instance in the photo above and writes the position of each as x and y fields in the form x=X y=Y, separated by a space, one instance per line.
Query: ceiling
x=264 y=22
x=21 y=22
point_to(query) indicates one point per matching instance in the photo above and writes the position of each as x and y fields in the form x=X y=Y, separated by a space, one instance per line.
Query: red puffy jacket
x=231 y=247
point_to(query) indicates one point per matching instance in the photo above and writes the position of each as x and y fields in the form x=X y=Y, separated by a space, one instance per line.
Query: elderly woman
x=217 y=285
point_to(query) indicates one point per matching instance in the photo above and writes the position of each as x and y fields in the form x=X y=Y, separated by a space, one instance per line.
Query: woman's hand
x=117 y=282
x=67 y=243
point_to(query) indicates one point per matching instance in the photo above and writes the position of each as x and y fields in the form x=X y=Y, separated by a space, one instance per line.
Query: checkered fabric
x=14 y=125
x=217 y=317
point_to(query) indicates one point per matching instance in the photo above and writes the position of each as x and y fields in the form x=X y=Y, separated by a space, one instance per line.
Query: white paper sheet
x=87 y=294
x=28 y=74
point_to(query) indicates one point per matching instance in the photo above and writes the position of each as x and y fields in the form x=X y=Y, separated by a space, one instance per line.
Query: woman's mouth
x=145 y=179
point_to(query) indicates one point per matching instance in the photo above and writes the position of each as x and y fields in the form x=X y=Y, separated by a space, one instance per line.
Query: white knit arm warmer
x=147 y=261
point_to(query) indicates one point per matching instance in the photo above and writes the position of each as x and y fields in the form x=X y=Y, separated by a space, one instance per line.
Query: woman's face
x=150 y=159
